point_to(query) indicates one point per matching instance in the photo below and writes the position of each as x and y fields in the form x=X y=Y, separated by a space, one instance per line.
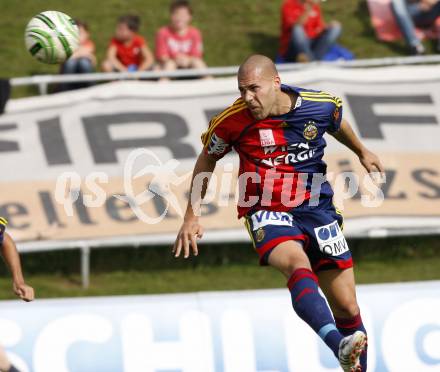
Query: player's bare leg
x=288 y=257
x=339 y=289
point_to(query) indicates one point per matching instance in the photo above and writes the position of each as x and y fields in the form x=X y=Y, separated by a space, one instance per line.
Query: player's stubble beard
x=264 y=110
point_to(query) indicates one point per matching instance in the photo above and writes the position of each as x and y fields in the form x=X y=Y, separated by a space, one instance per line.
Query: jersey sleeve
x=335 y=115
x=3 y=223
x=217 y=138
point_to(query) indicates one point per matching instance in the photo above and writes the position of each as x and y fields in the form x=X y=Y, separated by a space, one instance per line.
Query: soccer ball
x=51 y=37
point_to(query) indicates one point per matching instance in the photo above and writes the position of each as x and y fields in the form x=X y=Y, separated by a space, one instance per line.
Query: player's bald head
x=259 y=65
x=259 y=85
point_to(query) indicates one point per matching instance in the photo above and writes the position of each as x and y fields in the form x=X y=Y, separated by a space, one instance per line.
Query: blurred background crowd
x=306 y=35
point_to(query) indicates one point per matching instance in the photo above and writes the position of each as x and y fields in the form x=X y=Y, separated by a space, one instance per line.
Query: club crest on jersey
x=310 y=131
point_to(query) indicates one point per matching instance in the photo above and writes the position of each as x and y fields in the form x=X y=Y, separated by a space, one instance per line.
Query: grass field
x=219 y=267
x=231 y=29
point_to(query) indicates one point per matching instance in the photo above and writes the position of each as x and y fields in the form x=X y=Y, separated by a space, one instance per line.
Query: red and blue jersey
x=3 y=223
x=280 y=156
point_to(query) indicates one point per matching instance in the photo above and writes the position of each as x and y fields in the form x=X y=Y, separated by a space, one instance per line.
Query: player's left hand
x=371 y=162
x=24 y=291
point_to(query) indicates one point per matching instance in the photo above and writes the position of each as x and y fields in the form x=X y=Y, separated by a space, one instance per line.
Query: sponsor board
x=91 y=133
x=250 y=331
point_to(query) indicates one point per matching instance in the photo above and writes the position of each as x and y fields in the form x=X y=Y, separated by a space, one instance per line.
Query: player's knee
x=289 y=257
x=347 y=309
x=294 y=263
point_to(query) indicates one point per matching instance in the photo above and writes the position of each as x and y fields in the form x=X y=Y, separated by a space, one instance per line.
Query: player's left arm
x=12 y=259
x=348 y=137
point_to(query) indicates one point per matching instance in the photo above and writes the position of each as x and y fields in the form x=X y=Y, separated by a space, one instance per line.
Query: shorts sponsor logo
x=260 y=235
x=217 y=145
x=266 y=137
x=264 y=218
x=330 y=239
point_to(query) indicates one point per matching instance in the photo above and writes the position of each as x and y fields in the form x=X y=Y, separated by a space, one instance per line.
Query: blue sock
x=348 y=326
x=312 y=308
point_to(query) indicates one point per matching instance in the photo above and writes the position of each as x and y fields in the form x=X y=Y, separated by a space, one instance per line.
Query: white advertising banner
x=66 y=155
x=245 y=331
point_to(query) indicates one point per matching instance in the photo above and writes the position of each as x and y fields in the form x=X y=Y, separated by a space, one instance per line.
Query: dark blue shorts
x=319 y=229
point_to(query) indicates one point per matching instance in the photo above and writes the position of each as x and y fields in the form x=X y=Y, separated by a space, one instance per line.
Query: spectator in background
x=128 y=51
x=83 y=60
x=304 y=35
x=422 y=14
x=179 y=45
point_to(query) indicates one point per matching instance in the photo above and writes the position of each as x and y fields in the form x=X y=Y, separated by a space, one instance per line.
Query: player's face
x=258 y=92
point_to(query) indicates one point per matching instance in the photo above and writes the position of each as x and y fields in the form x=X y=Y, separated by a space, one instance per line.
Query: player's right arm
x=217 y=142
x=191 y=228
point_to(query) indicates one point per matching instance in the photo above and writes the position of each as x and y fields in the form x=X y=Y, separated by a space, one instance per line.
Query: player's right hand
x=187 y=237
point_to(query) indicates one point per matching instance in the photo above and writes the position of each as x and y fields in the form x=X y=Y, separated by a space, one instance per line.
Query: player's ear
x=277 y=81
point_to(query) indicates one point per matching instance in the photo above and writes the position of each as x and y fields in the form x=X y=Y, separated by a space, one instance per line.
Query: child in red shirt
x=179 y=45
x=128 y=51
x=304 y=35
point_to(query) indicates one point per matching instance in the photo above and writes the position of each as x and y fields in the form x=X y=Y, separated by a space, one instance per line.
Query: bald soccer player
x=277 y=131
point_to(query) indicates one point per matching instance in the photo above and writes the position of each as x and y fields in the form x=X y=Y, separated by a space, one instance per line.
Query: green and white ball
x=51 y=37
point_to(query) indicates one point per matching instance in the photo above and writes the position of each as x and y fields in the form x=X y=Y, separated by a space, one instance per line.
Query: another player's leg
x=339 y=288
x=289 y=258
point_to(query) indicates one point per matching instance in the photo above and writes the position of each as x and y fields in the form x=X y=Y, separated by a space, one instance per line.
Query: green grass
x=219 y=267
x=231 y=29
x=231 y=277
